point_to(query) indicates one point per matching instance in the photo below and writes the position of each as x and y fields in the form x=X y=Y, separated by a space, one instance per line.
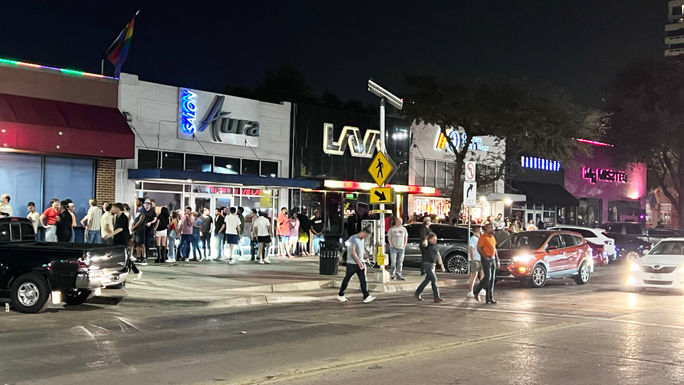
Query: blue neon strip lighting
x=188 y=111
x=540 y=163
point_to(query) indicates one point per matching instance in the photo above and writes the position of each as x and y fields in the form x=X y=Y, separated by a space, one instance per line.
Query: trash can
x=329 y=259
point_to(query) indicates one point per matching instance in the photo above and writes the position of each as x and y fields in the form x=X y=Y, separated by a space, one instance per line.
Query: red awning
x=52 y=127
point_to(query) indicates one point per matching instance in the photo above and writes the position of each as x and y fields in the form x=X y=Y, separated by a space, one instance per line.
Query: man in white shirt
x=34 y=216
x=93 y=222
x=107 y=225
x=5 y=208
x=232 y=231
x=475 y=260
x=261 y=230
x=397 y=237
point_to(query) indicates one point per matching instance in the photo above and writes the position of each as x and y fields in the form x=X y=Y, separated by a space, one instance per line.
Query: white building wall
x=154 y=111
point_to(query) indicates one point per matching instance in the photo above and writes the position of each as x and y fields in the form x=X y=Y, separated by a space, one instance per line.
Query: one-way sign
x=381 y=195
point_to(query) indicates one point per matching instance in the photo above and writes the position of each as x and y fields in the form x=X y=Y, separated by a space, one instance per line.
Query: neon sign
x=540 y=163
x=188 y=107
x=603 y=175
x=351 y=138
x=459 y=139
x=221 y=123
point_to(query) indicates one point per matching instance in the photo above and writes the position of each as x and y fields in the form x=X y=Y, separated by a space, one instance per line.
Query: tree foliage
x=534 y=119
x=645 y=121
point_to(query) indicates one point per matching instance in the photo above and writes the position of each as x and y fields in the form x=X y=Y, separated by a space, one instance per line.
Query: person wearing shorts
x=283 y=232
x=232 y=231
x=474 y=259
x=261 y=230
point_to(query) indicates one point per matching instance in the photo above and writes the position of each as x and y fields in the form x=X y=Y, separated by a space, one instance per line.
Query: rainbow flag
x=117 y=52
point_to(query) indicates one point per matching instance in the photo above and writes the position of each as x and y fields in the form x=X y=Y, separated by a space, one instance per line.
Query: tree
x=645 y=118
x=533 y=119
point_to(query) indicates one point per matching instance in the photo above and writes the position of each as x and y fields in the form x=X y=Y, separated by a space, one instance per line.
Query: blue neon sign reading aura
x=188 y=111
x=540 y=164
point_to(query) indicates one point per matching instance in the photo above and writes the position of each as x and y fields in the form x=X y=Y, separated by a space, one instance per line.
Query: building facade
x=204 y=150
x=674 y=28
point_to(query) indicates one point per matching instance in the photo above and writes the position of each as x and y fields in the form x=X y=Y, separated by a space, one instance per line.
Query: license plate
x=656 y=276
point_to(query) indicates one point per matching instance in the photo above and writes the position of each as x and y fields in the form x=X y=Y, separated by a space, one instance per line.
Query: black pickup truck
x=31 y=273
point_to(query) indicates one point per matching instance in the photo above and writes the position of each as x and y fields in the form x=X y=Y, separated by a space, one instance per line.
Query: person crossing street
x=486 y=246
x=356 y=265
x=430 y=257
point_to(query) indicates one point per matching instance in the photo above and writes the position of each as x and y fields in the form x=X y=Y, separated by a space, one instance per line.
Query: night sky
x=338 y=45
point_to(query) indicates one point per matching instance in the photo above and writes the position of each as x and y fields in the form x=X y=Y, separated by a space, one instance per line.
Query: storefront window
x=429 y=173
x=21 y=178
x=419 y=169
x=199 y=163
x=172 y=160
x=269 y=169
x=226 y=165
x=441 y=175
x=250 y=167
x=70 y=178
x=162 y=199
x=148 y=159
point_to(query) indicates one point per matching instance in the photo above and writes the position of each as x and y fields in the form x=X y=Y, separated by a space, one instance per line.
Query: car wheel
x=632 y=256
x=583 y=274
x=29 y=293
x=456 y=263
x=538 y=276
x=76 y=297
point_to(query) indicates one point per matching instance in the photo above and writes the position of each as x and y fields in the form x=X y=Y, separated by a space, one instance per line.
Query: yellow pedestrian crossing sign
x=379 y=195
x=381 y=168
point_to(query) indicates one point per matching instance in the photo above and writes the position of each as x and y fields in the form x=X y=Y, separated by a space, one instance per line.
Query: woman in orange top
x=283 y=232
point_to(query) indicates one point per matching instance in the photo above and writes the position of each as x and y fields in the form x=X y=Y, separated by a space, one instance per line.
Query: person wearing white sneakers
x=475 y=260
x=232 y=231
x=356 y=265
x=261 y=230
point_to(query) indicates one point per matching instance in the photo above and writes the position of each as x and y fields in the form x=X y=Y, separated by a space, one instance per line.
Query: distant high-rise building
x=674 y=29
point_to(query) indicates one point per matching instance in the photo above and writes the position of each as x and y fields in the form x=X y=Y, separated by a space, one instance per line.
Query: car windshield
x=524 y=241
x=668 y=247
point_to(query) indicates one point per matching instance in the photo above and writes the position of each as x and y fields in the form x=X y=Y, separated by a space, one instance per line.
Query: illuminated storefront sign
x=188 y=111
x=221 y=123
x=459 y=138
x=351 y=185
x=603 y=175
x=540 y=163
x=350 y=137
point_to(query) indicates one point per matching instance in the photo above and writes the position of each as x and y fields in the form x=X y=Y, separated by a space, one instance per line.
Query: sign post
x=469 y=196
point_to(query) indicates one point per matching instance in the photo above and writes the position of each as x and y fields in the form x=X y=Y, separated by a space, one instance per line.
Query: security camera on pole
x=382 y=166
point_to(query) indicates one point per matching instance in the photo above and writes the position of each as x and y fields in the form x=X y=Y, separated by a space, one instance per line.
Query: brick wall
x=105 y=180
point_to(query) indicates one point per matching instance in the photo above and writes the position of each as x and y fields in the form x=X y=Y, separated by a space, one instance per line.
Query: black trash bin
x=329 y=260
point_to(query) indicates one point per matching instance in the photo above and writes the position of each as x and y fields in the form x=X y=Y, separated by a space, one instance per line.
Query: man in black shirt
x=430 y=257
x=317 y=227
x=304 y=228
x=219 y=231
x=121 y=232
x=205 y=232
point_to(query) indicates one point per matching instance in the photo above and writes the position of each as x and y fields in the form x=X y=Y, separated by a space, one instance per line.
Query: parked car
x=536 y=256
x=597 y=239
x=451 y=240
x=629 y=248
x=656 y=235
x=628 y=228
x=32 y=272
x=662 y=267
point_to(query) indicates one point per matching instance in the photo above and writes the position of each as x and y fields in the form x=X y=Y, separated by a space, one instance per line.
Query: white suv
x=593 y=236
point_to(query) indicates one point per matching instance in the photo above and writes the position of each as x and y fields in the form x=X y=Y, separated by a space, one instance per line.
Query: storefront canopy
x=548 y=194
x=210 y=177
x=52 y=127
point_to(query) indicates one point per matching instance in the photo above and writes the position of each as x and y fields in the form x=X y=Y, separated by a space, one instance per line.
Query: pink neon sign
x=604 y=175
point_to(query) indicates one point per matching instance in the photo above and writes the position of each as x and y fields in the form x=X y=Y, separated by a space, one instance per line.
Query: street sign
x=470 y=194
x=381 y=168
x=373 y=212
x=470 y=171
x=379 y=195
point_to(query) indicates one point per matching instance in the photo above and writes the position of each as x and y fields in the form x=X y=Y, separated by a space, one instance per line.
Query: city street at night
x=593 y=334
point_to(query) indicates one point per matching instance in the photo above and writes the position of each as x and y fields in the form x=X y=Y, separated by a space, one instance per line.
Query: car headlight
x=634 y=267
x=523 y=258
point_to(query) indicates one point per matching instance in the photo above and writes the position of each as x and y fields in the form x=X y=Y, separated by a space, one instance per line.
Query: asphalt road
x=560 y=334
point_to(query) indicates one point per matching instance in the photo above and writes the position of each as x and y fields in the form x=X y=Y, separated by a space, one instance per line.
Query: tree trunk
x=457 y=190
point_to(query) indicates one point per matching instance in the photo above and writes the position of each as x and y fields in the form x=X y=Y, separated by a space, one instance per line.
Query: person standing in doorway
x=205 y=232
x=49 y=220
x=34 y=216
x=106 y=224
x=356 y=256
x=475 y=260
x=430 y=257
x=283 y=232
x=232 y=231
x=261 y=231
x=5 y=207
x=64 y=223
x=219 y=232
x=294 y=232
x=486 y=246
x=248 y=234
x=317 y=228
x=397 y=237
x=161 y=233
x=92 y=222
x=196 y=237
x=187 y=222
x=173 y=235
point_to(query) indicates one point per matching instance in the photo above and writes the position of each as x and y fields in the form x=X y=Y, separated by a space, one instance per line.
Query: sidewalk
x=219 y=284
